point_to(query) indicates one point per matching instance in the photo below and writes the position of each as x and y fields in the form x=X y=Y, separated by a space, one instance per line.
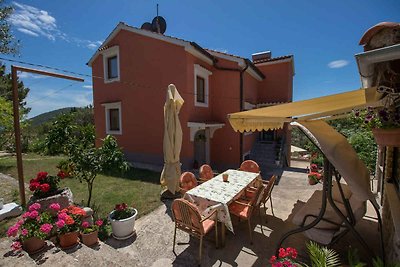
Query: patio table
x=215 y=194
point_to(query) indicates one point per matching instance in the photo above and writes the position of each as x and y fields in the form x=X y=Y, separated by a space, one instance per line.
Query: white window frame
x=203 y=73
x=111 y=52
x=107 y=107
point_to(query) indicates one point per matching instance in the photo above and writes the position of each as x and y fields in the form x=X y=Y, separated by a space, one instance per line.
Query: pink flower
x=19 y=223
x=99 y=223
x=46 y=228
x=16 y=246
x=85 y=225
x=12 y=231
x=287 y=264
x=34 y=206
x=277 y=264
x=24 y=232
x=26 y=215
x=62 y=216
x=60 y=223
x=272 y=259
x=33 y=214
x=55 y=206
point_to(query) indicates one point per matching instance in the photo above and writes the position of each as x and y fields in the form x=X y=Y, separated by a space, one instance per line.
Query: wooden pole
x=17 y=132
x=17 y=127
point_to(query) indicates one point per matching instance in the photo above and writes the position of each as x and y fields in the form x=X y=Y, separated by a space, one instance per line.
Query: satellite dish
x=147 y=26
x=159 y=24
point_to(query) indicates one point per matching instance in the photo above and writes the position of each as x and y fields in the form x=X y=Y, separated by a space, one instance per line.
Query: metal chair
x=206 y=173
x=249 y=166
x=187 y=181
x=243 y=208
x=188 y=219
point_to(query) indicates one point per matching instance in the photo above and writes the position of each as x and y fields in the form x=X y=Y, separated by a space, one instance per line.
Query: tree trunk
x=90 y=187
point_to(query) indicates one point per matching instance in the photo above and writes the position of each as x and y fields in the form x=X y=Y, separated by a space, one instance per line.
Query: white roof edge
x=276 y=61
x=260 y=53
x=122 y=26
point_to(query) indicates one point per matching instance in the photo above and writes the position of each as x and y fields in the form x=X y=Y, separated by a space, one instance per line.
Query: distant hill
x=44 y=117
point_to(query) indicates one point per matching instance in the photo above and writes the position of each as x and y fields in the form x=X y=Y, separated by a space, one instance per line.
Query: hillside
x=44 y=117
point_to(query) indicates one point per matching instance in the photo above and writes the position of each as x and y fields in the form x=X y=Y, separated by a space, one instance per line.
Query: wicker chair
x=266 y=194
x=249 y=166
x=243 y=208
x=188 y=219
x=187 y=181
x=206 y=173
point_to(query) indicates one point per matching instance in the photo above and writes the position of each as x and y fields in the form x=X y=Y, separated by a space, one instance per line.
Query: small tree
x=89 y=162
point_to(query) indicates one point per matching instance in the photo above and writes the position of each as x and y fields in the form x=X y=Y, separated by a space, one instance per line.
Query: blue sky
x=323 y=36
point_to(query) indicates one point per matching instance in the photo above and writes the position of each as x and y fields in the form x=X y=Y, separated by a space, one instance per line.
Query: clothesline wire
x=129 y=83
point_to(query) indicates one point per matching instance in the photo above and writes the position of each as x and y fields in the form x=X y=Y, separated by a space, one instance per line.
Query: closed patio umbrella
x=172 y=140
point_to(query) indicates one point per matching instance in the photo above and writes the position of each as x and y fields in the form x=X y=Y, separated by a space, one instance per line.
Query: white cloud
x=89 y=86
x=36 y=22
x=26 y=31
x=338 y=64
x=27 y=75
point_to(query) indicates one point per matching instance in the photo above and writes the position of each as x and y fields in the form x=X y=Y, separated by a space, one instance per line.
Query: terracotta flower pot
x=90 y=239
x=69 y=239
x=33 y=245
x=387 y=137
x=312 y=181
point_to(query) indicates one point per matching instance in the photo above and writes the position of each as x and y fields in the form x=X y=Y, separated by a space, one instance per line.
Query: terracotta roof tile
x=272 y=59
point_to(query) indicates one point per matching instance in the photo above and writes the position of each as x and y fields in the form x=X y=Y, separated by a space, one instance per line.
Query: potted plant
x=46 y=190
x=32 y=230
x=89 y=233
x=68 y=225
x=383 y=121
x=122 y=220
x=314 y=178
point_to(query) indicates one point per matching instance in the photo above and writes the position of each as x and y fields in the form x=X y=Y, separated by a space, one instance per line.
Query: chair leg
x=173 y=246
x=272 y=208
x=216 y=234
x=250 y=232
x=200 y=249
x=266 y=215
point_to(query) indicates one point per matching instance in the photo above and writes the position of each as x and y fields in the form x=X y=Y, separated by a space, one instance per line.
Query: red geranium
x=33 y=186
x=61 y=174
x=69 y=220
x=121 y=207
x=41 y=175
x=45 y=188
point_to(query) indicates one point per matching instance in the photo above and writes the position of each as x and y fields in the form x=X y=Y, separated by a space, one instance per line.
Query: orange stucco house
x=132 y=70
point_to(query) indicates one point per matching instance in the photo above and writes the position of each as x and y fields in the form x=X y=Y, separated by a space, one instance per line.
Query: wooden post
x=17 y=132
x=17 y=127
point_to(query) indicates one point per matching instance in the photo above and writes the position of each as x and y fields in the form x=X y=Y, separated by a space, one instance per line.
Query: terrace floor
x=153 y=244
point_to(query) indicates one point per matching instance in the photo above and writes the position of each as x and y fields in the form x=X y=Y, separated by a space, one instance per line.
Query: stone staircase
x=81 y=255
x=264 y=154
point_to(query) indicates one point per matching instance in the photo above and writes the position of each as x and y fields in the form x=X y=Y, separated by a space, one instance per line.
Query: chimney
x=265 y=55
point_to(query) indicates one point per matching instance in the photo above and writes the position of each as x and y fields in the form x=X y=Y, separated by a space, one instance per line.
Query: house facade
x=131 y=72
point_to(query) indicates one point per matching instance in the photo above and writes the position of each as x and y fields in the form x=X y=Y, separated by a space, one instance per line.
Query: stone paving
x=153 y=244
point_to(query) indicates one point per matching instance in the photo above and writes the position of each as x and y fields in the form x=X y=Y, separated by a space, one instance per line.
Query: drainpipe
x=241 y=71
x=241 y=107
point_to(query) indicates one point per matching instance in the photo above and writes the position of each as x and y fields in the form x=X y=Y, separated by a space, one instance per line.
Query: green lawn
x=139 y=188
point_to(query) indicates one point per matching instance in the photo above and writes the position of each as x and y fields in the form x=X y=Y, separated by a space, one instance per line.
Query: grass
x=139 y=188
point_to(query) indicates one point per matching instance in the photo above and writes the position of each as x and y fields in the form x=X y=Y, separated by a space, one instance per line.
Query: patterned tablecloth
x=217 y=194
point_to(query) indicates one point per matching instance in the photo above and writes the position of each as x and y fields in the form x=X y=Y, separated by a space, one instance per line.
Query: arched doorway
x=200 y=147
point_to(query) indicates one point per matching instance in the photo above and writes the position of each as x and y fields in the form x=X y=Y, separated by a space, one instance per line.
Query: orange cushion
x=239 y=210
x=208 y=225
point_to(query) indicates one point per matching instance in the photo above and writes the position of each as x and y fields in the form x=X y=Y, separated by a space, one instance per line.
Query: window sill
x=202 y=105
x=114 y=132
x=111 y=80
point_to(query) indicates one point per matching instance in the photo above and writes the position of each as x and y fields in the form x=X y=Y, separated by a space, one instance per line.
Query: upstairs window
x=112 y=68
x=201 y=86
x=200 y=89
x=111 y=64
